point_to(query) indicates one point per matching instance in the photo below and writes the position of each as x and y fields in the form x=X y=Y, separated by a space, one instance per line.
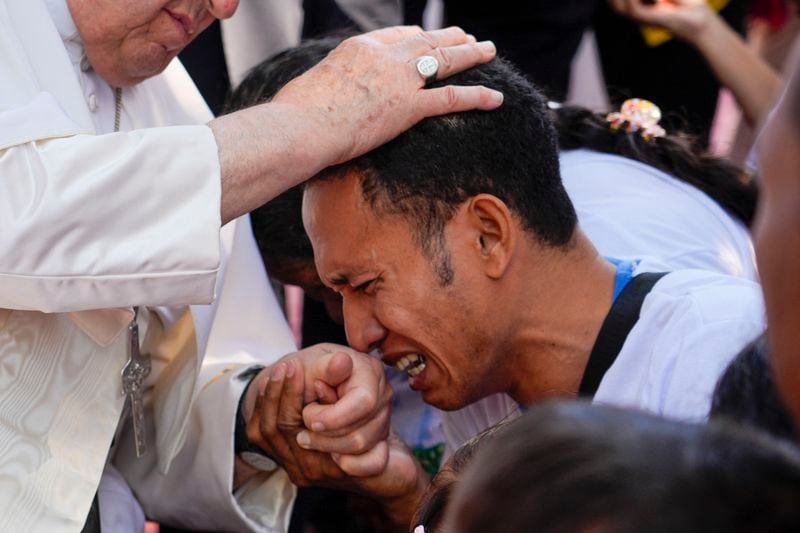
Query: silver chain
x=138 y=366
x=117 y=107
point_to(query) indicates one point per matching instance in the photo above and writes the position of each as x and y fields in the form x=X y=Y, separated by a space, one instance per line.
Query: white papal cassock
x=91 y=225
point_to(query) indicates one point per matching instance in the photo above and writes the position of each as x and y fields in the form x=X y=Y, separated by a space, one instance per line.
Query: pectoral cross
x=134 y=373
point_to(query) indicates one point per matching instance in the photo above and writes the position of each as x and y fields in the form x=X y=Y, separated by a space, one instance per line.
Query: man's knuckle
x=445 y=58
x=253 y=429
x=310 y=473
x=368 y=400
x=265 y=428
x=285 y=426
x=299 y=480
x=272 y=394
x=358 y=443
x=428 y=39
x=353 y=42
x=450 y=97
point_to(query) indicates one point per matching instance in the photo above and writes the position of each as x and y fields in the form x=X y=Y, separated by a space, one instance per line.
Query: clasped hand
x=323 y=414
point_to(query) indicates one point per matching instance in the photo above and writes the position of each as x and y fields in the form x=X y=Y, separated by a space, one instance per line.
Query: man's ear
x=494 y=227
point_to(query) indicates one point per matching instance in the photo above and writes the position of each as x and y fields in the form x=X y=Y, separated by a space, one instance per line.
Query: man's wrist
x=241 y=442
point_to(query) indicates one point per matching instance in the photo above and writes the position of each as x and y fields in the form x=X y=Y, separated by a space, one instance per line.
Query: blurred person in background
x=777 y=235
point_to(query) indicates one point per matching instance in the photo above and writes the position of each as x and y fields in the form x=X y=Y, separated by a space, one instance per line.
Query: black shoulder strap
x=619 y=322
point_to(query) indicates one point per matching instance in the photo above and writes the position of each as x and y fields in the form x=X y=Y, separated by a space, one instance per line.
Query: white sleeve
x=674 y=356
x=199 y=483
x=265 y=502
x=91 y=222
x=688 y=383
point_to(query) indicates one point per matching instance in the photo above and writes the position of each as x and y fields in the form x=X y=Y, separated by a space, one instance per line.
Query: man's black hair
x=431 y=510
x=427 y=172
x=746 y=393
x=572 y=466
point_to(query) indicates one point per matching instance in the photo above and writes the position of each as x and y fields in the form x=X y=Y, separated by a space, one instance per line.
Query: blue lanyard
x=624 y=274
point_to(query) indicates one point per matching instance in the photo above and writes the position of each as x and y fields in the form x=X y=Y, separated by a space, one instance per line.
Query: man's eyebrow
x=339 y=279
x=344 y=276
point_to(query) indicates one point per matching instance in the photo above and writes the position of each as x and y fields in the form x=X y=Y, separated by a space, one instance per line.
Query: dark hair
x=278 y=224
x=428 y=171
x=676 y=154
x=431 y=510
x=572 y=466
x=268 y=77
x=746 y=393
x=278 y=228
x=430 y=514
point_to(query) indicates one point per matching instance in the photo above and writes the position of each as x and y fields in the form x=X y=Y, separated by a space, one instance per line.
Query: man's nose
x=222 y=9
x=364 y=331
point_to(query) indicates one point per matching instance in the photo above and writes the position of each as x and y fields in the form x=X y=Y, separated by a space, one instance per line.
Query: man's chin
x=442 y=400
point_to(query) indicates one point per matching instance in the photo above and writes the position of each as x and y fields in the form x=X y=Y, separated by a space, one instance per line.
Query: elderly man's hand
x=368 y=91
x=276 y=421
x=365 y=93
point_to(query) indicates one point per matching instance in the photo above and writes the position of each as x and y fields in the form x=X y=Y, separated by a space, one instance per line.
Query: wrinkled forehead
x=329 y=204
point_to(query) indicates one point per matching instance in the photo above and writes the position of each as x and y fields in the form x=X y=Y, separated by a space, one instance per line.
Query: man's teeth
x=414 y=364
x=416 y=370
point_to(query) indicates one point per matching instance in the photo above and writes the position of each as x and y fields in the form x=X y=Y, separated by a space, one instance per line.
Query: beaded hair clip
x=640 y=115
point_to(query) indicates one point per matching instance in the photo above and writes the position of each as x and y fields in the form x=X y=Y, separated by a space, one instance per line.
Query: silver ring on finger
x=427 y=67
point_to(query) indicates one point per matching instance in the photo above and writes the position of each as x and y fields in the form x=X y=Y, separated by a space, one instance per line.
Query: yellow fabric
x=656 y=35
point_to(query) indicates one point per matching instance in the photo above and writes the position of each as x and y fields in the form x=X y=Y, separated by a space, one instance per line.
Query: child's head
x=430 y=513
x=571 y=466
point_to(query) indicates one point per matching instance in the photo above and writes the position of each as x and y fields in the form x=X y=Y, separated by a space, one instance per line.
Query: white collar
x=62 y=19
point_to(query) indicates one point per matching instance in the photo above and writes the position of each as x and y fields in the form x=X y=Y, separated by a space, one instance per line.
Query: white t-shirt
x=691 y=326
x=629 y=209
